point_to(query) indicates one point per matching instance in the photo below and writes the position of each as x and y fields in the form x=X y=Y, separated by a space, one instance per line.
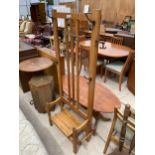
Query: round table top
x=111 y=50
x=104 y=101
x=35 y=64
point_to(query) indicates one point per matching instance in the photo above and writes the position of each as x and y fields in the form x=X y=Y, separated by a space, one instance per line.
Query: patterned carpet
x=29 y=141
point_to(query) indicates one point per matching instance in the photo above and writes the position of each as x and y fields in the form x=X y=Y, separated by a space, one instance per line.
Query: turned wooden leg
x=132 y=145
x=74 y=140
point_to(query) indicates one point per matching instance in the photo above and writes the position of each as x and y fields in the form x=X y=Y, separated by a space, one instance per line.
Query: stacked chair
x=74 y=121
x=117 y=40
x=122 y=131
x=26 y=27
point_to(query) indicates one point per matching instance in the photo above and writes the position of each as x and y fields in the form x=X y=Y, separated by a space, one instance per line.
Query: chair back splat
x=78 y=126
x=117 y=40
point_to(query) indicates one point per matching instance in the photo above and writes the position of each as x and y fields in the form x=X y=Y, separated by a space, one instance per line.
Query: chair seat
x=115 y=66
x=66 y=121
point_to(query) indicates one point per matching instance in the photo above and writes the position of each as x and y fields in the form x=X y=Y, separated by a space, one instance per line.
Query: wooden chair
x=75 y=123
x=117 y=40
x=122 y=130
x=114 y=40
x=27 y=28
x=85 y=59
x=118 y=68
x=22 y=26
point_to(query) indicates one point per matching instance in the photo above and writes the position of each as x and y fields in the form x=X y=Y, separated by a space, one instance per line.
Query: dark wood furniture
x=103 y=36
x=35 y=64
x=43 y=52
x=122 y=129
x=26 y=51
x=38 y=14
x=32 y=67
x=128 y=39
x=117 y=40
x=75 y=123
x=51 y=54
x=42 y=90
x=131 y=77
x=112 y=30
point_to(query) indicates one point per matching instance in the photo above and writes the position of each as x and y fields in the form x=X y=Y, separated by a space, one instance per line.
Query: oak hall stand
x=75 y=123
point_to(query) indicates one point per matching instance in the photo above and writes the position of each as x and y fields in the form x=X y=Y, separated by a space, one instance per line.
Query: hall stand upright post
x=78 y=126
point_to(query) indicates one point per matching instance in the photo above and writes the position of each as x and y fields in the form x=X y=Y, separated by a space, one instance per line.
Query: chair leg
x=49 y=115
x=105 y=75
x=108 y=140
x=132 y=145
x=110 y=133
x=74 y=140
x=120 y=81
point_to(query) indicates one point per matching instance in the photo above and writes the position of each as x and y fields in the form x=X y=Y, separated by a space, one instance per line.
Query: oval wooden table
x=104 y=101
x=110 y=50
x=35 y=64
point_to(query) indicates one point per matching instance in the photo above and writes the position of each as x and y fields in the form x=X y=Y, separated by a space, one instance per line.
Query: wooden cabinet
x=131 y=77
x=38 y=13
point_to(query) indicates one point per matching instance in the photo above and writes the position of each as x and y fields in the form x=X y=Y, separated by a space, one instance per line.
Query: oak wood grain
x=35 y=64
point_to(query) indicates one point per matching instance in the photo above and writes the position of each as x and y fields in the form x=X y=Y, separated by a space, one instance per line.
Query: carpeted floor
x=96 y=145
